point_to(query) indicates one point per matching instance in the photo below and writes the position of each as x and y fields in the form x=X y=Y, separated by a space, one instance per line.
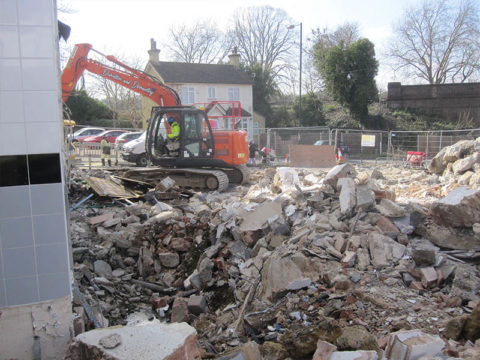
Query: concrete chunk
x=429 y=277
x=339 y=171
x=390 y=209
x=411 y=345
x=347 y=198
x=365 y=197
x=150 y=341
x=460 y=208
x=385 y=252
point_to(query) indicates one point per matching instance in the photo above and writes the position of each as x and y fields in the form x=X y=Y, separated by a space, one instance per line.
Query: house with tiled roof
x=229 y=87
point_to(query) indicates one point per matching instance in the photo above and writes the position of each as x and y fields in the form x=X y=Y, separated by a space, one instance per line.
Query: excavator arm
x=128 y=77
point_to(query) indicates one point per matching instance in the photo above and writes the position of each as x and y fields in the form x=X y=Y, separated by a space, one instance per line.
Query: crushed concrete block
x=471 y=330
x=429 y=277
x=349 y=258
x=169 y=260
x=179 y=310
x=424 y=256
x=324 y=350
x=390 y=209
x=102 y=268
x=100 y=218
x=465 y=164
x=254 y=220
x=413 y=344
x=460 y=208
x=357 y=338
x=166 y=184
x=384 y=251
x=354 y=355
x=205 y=269
x=146 y=341
x=387 y=227
x=197 y=304
x=363 y=259
x=365 y=197
x=337 y=172
x=299 y=284
x=340 y=243
x=347 y=197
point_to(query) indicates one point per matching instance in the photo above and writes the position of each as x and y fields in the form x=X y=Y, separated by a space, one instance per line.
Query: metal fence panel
x=429 y=142
x=361 y=144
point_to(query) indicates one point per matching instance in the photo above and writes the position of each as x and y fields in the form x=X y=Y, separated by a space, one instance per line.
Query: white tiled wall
x=34 y=250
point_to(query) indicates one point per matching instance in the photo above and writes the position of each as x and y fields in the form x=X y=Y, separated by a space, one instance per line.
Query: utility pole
x=300 y=78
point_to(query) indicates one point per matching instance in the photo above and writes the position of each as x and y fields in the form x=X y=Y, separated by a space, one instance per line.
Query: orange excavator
x=205 y=158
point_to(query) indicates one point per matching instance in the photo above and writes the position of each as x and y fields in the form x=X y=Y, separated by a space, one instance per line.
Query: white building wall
x=221 y=92
x=34 y=248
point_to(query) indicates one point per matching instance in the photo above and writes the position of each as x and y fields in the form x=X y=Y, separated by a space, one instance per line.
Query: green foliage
x=349 y=74
x=312 y=113
x=264 y=87
x=86 y=110
x=283 y=116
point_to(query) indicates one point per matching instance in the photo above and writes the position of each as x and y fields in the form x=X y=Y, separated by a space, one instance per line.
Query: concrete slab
x=146 y=341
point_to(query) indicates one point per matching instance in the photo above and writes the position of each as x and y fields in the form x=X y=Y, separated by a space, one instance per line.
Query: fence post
x=336 y=137
x=389 y=145
x=426 y=150
x=440 y=144
x=89 y=160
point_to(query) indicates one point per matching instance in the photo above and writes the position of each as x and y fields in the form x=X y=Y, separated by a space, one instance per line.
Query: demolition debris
x=354 y=263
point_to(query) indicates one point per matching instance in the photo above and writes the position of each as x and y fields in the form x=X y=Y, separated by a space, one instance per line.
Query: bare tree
x=201 y=42
x=438 y=42
x=124 y=102
x=262 y=37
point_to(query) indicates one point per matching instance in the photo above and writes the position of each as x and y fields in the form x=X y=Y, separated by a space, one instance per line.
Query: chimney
x=153 y=52
x=235 y=58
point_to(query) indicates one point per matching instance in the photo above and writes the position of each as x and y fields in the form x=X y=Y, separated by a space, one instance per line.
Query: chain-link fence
x=428 y=142
x=360 y=144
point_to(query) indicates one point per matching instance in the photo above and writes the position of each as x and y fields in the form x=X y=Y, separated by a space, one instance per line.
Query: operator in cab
x=173 y=143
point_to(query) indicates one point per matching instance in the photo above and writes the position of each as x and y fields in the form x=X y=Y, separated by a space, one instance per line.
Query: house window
x=211 y=93
x=188 y=95
x=255 y=128
x=233 y=94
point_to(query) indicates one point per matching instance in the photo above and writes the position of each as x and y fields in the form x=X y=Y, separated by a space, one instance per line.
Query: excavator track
x=237 y=175
x=184 y=177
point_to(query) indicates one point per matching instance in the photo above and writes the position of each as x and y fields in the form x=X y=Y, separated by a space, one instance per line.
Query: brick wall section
x=451 y=102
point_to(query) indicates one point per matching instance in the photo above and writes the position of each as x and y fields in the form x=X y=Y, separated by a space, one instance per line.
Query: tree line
x=434 y=42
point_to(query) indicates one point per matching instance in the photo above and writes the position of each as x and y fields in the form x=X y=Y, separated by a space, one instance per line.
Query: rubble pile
x=297 y=264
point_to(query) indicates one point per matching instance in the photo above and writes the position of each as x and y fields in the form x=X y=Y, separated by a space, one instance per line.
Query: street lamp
x=300 y=80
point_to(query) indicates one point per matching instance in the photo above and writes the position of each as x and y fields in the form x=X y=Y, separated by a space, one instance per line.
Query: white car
x=134 y=151
x=125 y=138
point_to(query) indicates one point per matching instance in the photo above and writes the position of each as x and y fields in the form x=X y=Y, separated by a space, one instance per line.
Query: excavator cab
x=196 y=145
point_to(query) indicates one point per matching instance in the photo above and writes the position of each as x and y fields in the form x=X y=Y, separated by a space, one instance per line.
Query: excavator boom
x=132 y=79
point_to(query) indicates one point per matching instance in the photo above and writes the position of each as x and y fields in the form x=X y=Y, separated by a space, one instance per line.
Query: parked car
x=343 y=148
x=134 y=151
x=110 y=134
x=125 y=138
x=83 y=133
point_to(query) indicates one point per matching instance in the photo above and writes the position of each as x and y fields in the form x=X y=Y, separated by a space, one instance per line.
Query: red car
x=110 y=134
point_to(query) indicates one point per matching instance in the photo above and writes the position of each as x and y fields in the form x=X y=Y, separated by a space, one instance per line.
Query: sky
x=124 y=27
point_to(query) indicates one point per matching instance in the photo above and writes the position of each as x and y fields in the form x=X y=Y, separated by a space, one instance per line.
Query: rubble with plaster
x=359 y=262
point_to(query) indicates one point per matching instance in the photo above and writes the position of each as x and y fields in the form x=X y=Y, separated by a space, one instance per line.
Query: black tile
x=44 y=169
x=13 y=170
